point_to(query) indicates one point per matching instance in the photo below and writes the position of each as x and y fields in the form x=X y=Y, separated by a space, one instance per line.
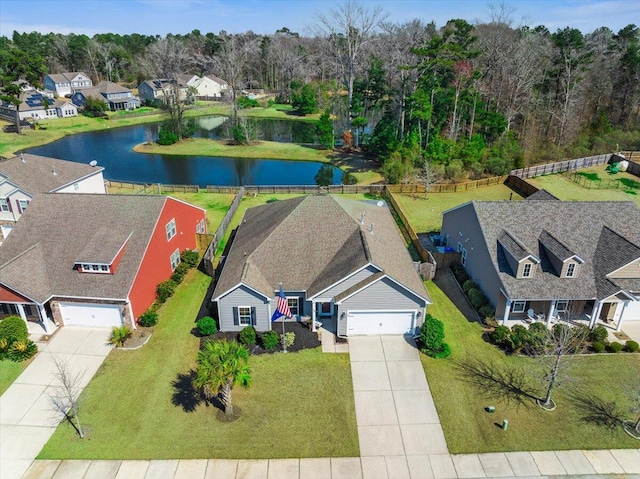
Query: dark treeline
x=430 y=101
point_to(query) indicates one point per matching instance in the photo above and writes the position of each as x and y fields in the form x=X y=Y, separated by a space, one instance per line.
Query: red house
x=93 y=260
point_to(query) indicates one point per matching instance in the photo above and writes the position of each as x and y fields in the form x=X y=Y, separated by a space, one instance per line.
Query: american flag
x=282 y=308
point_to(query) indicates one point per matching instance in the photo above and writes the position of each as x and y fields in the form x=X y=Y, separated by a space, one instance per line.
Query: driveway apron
x=395 y=413
x=27 y=417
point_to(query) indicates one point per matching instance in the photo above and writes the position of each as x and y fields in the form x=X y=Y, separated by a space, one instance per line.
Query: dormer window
x=526 y=270
x=571 y=270
x=95 y=268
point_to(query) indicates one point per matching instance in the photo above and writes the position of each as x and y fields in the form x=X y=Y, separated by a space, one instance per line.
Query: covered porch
x=34 y=315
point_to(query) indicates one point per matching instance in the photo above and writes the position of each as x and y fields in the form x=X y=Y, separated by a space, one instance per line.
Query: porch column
x=507 y=310
x=313 y=316
x=21 y=312
x=594 y=314
x=44 y=319
x=624 y=306
x=552 y=309
x=598 y=310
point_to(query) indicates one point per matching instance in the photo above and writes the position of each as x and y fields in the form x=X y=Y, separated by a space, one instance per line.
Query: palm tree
x=221 y=365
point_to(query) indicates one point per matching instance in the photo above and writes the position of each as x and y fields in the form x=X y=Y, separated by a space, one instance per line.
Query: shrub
x=519 y=337
x=167 y=137
x=598 y=347
x=500 y=336
x=599 y=334
x=247 y=336
x=4 y=348
x=287 y=339
x=615 y=347
x=469 y=285
x=477 y=298
x=190 y=258
x=165 y=290
x=207 y=326
x=432 y=338
x=179 y=272
x=13 y=328
x=119 y=335
x=631 y=346
x=486 y=311
x=148 y=318
x=536 y=334
x=460 y=273
x=269 y=340
x=22 y=350
x=246 y=102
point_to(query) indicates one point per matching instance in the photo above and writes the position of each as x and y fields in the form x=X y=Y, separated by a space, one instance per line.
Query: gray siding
x=462 y=225
x=383 y=295
x=305 y=309
x=347 y=283
x=243 y=296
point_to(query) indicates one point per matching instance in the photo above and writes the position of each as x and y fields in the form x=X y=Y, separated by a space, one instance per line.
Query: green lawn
x=299 y=405
x=460 y=400
x=9 y=371
x=425 y=214
x=566 y=189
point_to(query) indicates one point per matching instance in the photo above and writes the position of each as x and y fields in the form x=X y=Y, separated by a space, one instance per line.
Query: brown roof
x=37 y=259
x=311 y=242
x=40 y=174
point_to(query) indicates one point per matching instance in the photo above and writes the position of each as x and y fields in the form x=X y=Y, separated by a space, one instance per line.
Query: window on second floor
x=4 y=205
x=171 y=229
x=526 y=270
x=200 y=227
x=571 y=270
x=175 y=259
x=22 y=205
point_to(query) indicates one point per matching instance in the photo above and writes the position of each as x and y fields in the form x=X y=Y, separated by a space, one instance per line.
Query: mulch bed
x=305 y=338
x=138 y=337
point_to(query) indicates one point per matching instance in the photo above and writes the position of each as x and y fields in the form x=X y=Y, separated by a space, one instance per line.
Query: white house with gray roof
x=62 y=84
x=337 y=259
x=26 y=175
x=549 y=259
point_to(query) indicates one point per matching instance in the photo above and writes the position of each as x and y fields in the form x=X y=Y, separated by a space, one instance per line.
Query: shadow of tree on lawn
x=188 y=397
x=595 y=410
x=500 y=381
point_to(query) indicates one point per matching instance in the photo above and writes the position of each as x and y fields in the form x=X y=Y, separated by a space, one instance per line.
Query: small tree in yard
x=221 y=365
x=633 y=427
x=64 y=397
x=324 y=130
x=432 y=338
x=561 y=341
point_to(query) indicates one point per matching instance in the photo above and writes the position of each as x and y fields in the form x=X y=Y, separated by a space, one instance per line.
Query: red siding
x=7 y=295
x=156 y=265
x=116 y=260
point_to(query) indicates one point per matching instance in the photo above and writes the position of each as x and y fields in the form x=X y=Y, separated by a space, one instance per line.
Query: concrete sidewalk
x=588 y=464
x=27 y=416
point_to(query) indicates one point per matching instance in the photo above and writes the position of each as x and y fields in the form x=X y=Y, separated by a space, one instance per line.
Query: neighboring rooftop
x=311 y=242
x=40 y=174
x=38 y=257
x=605 y=234
x=65 y=77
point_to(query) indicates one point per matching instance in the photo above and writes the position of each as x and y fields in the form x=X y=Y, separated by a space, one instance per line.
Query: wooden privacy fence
x=561 y=166
x=306 y=189
x=447 y=187
x=520 y=186
x=425 y=255
x=210 y=253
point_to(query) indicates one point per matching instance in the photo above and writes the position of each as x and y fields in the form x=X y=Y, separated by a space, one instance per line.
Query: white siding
x=92 y=184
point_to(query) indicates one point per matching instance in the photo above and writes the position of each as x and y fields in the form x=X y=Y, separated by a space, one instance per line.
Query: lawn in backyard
x=596 y=380
x=9 y=372
x=566 y=189
x=425 y=214
x=139 y=404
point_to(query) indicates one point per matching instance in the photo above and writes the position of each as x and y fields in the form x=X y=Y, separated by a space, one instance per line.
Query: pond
x=112 y=149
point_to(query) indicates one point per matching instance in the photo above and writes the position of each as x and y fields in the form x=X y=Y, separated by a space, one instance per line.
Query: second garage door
x=90 y=314
x=632 y=311
x=387 y=322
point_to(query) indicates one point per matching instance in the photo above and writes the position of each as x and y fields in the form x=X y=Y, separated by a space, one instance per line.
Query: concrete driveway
x=27 y=417
x=395 y=414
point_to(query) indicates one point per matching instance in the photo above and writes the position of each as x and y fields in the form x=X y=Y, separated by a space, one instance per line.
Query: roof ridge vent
x=53 y=170
x=362 y=215
x=371 y=228
x=22 y=158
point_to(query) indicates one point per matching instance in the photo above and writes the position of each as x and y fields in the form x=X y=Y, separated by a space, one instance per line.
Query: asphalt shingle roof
x=542 y=195
x=37 y=259
x=513 y=246
x=309 y=243
x=555 y=246
x=606 y=235
x=36 y=173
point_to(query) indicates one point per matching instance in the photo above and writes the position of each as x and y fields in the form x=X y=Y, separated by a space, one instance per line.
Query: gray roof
x=311 y=242
x=36 y=173
x=514 y=247
x=37 y=259
x=542 y=195
x=163 y=84
x=217 y=79
x=555 y=246
x=606 y=235
x=65 y=77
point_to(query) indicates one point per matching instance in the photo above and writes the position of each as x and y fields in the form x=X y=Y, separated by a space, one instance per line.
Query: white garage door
x=89 y=314
x=388 y=322
x=632 y=311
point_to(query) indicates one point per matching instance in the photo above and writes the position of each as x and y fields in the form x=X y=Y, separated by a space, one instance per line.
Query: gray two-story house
x=62 y=84
x=550 y=260
x=338 y=260
x=117 y=97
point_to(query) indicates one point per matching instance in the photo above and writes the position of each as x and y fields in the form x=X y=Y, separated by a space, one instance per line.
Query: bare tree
x=66 y=392
x=559 y=343
x=349 y=28
x=633 y=427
